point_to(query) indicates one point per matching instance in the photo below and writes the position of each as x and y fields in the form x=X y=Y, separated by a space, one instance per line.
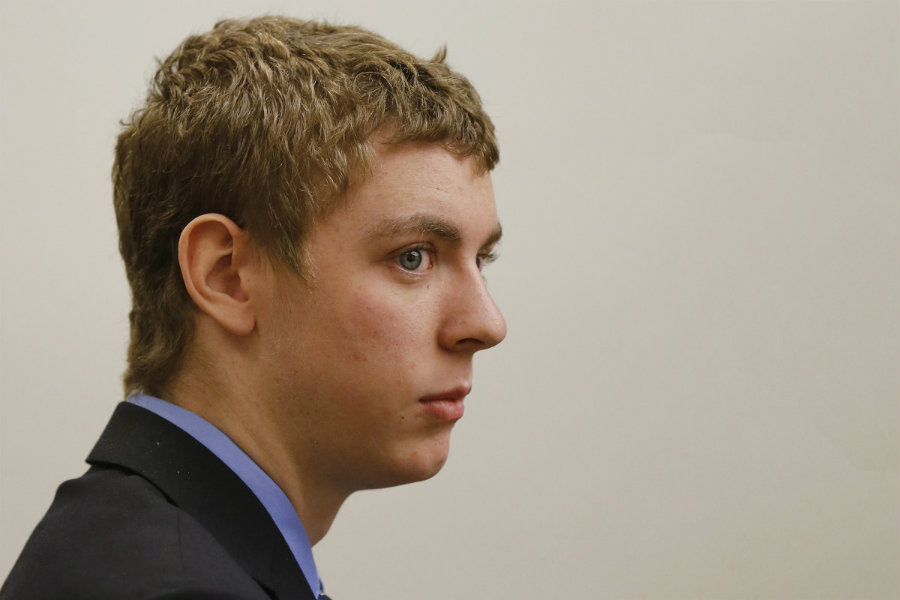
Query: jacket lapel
x=196 y=481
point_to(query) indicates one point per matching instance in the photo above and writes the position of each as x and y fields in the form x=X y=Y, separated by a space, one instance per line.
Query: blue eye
x=411 y=259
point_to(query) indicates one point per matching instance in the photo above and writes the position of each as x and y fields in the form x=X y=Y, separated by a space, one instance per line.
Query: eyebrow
x=422 y=224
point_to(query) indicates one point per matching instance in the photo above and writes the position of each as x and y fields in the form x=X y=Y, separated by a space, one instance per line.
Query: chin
x=418 y=464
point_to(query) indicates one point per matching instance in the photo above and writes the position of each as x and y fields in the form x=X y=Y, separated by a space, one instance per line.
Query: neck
x=240 y=415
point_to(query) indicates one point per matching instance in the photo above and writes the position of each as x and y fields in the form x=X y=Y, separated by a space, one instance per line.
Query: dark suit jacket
x=156 y=516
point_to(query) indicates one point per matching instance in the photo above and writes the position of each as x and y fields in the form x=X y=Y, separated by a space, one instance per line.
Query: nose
x=472 y=321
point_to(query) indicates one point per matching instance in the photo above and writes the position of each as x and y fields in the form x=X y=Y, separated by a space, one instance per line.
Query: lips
x=448 y=405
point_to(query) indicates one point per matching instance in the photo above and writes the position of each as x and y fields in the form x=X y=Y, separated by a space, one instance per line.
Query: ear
x=217 y=262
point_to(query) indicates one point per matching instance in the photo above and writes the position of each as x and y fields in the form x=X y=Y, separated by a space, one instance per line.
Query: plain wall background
x=699 y=396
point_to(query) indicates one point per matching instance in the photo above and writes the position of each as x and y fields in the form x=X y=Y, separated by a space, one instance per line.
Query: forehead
x=418 y=182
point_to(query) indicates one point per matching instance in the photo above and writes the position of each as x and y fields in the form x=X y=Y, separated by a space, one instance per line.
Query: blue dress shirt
x=273 y=499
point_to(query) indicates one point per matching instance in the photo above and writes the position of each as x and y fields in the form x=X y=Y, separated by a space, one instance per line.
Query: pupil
x=412 y=259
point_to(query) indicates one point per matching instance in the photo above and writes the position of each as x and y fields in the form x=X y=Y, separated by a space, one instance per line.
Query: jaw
x=406 y=461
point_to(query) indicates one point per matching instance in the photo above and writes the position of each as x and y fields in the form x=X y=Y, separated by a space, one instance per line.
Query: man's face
x=368 y=361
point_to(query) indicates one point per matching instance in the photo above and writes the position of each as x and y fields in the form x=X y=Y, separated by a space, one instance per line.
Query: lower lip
x=445 y=409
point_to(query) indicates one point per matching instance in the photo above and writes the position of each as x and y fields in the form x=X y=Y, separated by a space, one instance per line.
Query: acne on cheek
x=371 y=342
x=374 y=328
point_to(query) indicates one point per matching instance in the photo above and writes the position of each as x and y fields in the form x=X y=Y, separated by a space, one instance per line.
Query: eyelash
x=486 y=258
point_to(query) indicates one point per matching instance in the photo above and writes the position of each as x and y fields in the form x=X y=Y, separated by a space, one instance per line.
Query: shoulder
x=112 y=534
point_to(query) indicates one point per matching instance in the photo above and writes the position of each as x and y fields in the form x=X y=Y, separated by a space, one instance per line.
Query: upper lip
x=457 y=393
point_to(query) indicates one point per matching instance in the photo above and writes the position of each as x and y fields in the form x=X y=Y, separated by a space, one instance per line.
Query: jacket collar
x=196 y=481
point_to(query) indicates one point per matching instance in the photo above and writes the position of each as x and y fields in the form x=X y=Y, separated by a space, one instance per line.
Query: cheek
x=386 y=330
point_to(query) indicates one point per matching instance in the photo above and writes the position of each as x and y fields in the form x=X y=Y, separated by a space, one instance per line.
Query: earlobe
x=216 y=259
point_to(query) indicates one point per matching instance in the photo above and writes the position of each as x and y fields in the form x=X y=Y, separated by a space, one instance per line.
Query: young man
x=304 y=211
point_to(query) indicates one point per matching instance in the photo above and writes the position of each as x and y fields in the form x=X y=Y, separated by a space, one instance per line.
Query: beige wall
x=698 y=397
